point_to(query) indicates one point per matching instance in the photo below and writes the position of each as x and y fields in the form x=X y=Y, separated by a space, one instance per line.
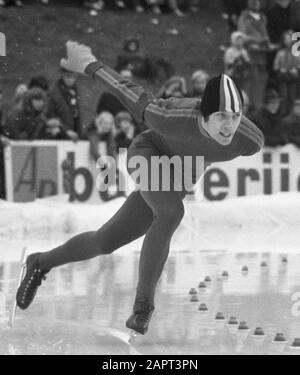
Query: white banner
x=43 y=168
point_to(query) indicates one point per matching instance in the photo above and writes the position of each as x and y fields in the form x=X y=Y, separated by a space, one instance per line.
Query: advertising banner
x=44 y=168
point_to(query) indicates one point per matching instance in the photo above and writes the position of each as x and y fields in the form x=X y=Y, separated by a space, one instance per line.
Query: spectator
x=40 y=82
x=102 y=142
x=146 y=67
x=268 y=119
x=130 y=59
x=199 y=81
x=53 y=130
x=101 y=136
x=253 y=24
x=237 y=61
x=291 y=124
x=278 y=18
x=233 y=9
x=26 y=123
x=64 y=104
x=18 y=98
x=175 y=87
x=126 y=130
x=110 y=103
x=286 y=66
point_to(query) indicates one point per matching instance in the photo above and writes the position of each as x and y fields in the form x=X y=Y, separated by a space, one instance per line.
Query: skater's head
x=222 y=107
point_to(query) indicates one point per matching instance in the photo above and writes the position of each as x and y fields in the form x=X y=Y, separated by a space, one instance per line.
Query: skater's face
x=222 y=126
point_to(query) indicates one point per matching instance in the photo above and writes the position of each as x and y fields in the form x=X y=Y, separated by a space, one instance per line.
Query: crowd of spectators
x=178 y=7
x=259 y=58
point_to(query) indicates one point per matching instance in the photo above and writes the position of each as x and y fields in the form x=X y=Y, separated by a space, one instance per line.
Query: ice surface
x=82 y=308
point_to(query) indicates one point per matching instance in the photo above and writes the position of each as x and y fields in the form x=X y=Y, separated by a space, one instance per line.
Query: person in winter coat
x=27 y=122
x=64 y=104
x=237 y=61
x=286 y=67
x=253 y=24
x=268 y=119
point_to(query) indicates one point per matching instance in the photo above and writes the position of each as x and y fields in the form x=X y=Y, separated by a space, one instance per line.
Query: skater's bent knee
x=171 y=214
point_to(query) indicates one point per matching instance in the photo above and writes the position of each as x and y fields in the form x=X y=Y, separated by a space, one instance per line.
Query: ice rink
x=82 y=308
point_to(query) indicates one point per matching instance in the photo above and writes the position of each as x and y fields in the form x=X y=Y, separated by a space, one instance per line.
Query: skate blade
x=125 y=338
x=13 y=310
x=133 y=336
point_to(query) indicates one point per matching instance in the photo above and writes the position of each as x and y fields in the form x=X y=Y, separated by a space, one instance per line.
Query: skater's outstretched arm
x=171 y=118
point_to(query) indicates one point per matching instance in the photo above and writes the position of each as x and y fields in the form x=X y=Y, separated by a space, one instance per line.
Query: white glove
x=78 y=58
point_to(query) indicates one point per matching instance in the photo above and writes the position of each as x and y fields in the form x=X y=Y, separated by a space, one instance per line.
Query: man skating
x=214 y=129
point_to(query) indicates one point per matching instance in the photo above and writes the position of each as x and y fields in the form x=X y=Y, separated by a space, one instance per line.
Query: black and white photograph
x=149 y=180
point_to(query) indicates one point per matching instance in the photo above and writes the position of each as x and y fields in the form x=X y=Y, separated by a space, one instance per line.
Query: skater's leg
x=129 y=223
x=168 y=211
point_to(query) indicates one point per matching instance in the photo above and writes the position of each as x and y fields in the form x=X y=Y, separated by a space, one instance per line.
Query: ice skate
x=139 y=321
x=12 y=314
x=32 y=277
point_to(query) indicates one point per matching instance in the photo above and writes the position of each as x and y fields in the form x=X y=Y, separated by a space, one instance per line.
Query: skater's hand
x=78 y=58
